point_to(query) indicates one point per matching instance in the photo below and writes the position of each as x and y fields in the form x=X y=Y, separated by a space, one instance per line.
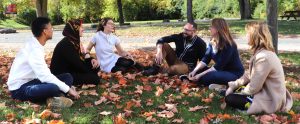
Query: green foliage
x=26 y=16
x=213 y=8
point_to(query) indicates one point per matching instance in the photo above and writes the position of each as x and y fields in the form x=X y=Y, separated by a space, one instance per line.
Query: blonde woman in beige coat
x=264 y=90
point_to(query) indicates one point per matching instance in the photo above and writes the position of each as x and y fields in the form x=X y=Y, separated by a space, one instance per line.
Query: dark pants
x=37 y=91
x=238 y=101
x=86 y=78
x=217 y=77
x=123 y=64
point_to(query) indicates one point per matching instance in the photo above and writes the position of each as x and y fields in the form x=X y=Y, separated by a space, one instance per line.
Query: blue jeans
x=37 y=91
x=217 y=77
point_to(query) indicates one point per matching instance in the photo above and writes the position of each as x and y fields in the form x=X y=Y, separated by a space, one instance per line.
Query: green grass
x=9 y=23
x=78 y=113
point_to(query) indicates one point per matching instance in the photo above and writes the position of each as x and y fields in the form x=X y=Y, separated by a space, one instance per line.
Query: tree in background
x=245 y=9
x=120 y=10
x=41 y=8
x=272 y=10
x=189 y=11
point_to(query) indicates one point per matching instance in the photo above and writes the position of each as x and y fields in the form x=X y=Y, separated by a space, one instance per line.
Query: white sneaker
x=217 y=87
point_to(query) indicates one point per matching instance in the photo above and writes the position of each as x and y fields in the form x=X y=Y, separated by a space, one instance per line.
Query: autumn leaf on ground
x=56 y=122
x=10 y=117
x=105 y=113
x=192 y=109
x=127 y=113
x=129 y=104
x=178 y=120
x=165 y=114
x=296 y=96
x=207 y=100
x=93 y=92
x=151 y=119
x=184 y=88
x=119 y=119
x=45 y=114
x=224 y=116
x=223 y=105
x=104 y=76
x=147 y=114
x=102 y=99
x=149 y=102
x=2 y=105
x=137 y=103
x=35 y=107
x=204 y=121
x=88 y=105
x=171 y=107
x=139 y=89
x=159 y=91
x=130 y=76
x=147 y=88
x=122 y=81
x=87 y=86
x=113 y=97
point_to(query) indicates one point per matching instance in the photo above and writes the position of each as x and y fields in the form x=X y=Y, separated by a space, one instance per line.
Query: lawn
x=148 y=28
x=133 y=98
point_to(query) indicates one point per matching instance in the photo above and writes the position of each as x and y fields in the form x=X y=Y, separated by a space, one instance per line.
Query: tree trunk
x=190 y=11
x=121 y=17
x=41 y=8
x=245 y=9
x=272 y=15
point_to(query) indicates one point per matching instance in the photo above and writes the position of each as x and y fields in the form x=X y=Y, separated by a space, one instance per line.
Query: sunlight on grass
x=8 y=23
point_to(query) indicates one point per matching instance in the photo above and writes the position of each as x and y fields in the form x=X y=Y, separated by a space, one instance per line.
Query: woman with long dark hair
x=69 y=56
x=104 y=42
x=223 y=51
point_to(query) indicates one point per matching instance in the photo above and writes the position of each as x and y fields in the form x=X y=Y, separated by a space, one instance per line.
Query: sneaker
x=183 y=77
x=59 y=102
x=217 y=87
x=151 y=71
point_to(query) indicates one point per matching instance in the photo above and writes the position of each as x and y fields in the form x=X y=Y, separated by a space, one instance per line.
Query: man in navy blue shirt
x=189 y=50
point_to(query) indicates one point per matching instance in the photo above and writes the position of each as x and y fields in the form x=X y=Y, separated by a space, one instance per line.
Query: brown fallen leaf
x=56 y=122
x=204 y=121
x=10 y=117
x=223 y=105
x=88 y=105
x=105 y=113
x=130 y=76
x=127 y=113
x=149 y=102
x=159 y=91
x=122 y=81
x=147 y=88
x=102 y=100
x=178 y=120
x=119 y=119
x=192 y=109
x=165 y=114
x=139 y=89
x=2 y=105
x=207 y=100
x=45 y=114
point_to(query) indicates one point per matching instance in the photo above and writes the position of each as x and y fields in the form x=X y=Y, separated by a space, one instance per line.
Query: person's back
x=31 y=79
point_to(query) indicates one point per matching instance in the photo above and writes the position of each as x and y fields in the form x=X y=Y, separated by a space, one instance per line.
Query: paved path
x=16 y=40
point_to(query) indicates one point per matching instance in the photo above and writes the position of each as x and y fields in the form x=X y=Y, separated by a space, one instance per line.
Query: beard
x=187 y=36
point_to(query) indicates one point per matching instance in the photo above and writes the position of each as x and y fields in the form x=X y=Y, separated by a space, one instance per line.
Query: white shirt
x=30 y=64
x=104 y=47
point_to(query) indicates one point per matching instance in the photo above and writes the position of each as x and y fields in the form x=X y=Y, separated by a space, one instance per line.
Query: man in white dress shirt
x=30 y=78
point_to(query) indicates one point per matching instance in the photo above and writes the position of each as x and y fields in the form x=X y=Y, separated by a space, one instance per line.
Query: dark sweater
x=225 y=60
x=189 y=55
x=66 y=59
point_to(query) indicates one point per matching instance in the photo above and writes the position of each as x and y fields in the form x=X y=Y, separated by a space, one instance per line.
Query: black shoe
x=151 y=71
x=138 y=66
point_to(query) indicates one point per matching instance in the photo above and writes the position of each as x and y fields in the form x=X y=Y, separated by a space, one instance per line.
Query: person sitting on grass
x=104 y=42
x=69 y=56
x=189 y=49
x=262 y=89
x=223 y=51
x=30 y=78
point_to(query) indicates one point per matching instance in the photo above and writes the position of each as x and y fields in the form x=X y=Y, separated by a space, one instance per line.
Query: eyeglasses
x=112 y=24
x=187 y=30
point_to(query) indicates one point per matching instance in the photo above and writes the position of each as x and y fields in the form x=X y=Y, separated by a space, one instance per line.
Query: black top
x=227 y=59
x=189 y=54
x=66 y=59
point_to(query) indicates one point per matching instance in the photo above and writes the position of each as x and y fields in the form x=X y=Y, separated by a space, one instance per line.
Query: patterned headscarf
x=71 y=31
